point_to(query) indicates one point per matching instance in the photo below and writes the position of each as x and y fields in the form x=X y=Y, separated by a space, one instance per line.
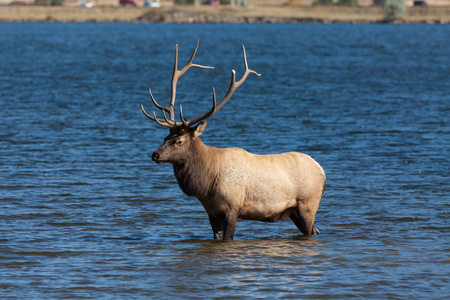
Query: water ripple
x=86 y=214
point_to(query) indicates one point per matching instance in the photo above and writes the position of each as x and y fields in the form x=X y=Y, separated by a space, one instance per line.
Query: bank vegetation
x=220 y=14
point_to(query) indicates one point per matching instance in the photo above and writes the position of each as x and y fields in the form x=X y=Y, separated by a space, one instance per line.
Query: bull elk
x=232 y=183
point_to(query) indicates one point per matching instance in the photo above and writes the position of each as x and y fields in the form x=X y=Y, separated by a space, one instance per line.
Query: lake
x=86 y=214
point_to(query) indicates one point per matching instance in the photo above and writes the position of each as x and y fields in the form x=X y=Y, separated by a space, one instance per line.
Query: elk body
x=232 y=183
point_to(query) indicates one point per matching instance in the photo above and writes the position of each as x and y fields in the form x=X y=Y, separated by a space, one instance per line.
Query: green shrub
x=323 y=2
x=43 y=2
x=347 y=2
x=49 y=2
x=395 y=9
x=184 y=2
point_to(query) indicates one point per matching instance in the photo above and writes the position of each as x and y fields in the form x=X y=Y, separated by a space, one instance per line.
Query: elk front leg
x=217 y=228
x=229 y=225
x=223 y=227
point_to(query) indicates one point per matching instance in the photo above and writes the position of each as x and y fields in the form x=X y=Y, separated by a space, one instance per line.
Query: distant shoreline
x=224 y=14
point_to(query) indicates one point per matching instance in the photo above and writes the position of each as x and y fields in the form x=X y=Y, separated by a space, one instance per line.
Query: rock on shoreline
x=191 y=17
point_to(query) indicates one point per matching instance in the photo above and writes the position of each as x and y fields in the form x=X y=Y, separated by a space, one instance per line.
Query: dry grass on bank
x=70 y=14
x=190 y=14
x=286 y=13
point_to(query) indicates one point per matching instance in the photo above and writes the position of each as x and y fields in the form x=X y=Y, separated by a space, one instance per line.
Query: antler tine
x=154 y=118
x=164 y=122
x=154 y=101
x=233 y=87
x=202 y=117
x=190 y=64
x=177 y=74
x=170 y=122
x=185 y=123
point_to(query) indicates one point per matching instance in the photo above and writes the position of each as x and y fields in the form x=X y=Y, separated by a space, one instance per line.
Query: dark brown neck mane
x=197 y=174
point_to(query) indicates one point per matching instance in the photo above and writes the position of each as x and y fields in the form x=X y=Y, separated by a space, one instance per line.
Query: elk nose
x=155 y=156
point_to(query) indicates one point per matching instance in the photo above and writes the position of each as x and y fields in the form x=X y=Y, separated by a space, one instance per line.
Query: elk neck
x=197 y=174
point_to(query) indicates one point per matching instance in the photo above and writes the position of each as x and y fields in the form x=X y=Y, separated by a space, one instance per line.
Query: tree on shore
x=338 y=2
x=49 y=2
x=395 y=9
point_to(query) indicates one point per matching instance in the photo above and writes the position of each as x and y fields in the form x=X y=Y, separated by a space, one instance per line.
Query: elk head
x=184 y=133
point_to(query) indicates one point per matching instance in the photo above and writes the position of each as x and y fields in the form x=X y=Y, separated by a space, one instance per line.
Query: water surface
x=86 y=214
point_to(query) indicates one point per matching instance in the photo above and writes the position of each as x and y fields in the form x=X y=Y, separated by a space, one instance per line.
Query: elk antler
x=177 y=74
x=233 y=87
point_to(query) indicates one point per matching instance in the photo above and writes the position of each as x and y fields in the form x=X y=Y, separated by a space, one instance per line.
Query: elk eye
x=179 y=142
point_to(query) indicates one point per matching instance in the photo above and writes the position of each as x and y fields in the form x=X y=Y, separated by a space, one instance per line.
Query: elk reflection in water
x=275 y=265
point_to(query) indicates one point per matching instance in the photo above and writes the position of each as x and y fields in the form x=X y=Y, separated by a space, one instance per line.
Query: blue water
x=86 y=214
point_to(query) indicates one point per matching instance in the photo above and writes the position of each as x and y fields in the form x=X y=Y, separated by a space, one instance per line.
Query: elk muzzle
x=155 y=157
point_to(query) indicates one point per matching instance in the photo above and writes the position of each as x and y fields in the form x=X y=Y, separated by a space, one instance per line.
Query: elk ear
x=200 y=128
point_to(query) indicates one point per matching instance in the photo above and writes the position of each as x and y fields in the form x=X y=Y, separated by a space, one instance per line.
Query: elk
x=232 y=183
